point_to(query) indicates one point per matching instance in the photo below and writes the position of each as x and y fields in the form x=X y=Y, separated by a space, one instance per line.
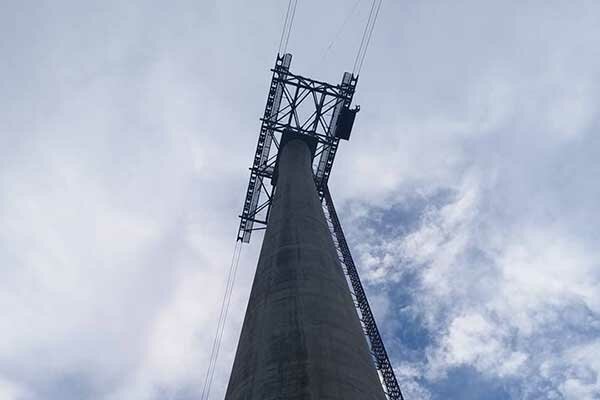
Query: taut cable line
x=366 y=38
x=340 y=30
x=287 y=26
x=230 y=280
x=226 y=301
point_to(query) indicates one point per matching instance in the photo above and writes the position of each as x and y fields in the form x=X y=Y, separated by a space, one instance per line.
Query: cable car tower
x=308 y=332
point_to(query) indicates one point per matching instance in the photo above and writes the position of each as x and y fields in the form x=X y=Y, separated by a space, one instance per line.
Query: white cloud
x=581 y=374
x=11 y=391
x=494 y=294
x=127 y=129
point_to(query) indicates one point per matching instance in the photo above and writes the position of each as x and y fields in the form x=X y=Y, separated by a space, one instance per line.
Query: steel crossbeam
x=296 y=105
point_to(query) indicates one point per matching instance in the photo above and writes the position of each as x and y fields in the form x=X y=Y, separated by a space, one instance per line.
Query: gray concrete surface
x=301 y=338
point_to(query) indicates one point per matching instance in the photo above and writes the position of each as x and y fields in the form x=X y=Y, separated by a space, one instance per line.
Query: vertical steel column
x=301 y=338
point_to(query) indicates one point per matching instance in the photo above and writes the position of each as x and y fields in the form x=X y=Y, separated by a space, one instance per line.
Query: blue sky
x=468 y=191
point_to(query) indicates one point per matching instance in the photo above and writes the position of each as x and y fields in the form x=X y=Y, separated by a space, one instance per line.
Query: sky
x=468 y=191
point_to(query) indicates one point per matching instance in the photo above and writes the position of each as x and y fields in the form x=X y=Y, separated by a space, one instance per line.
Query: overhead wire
x=290 y=25
x=287 y=26
x=370 y=34
x=341 y=29
x=362 y=41
x=285 y=22
x=231 y=274
x=366 y=38
x=237 y=261
x=225 y=303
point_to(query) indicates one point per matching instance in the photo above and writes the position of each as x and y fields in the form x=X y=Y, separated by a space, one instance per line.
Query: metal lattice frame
x=296 y=105
x=380 y=356
x=303 y=106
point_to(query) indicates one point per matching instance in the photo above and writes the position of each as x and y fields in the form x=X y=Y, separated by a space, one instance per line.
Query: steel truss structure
x=380 y=356
x=302 y=106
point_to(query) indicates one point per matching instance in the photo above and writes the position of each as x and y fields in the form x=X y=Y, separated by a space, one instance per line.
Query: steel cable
x=285 y=22
x=366 y=38
x=340 y=30
x=287 y=26
x=225 y=303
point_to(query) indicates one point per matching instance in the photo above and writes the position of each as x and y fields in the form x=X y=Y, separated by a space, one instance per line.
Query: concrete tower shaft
x=301 y=338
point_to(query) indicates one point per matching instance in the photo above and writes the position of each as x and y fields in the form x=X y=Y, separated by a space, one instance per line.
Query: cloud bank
x=126 y=132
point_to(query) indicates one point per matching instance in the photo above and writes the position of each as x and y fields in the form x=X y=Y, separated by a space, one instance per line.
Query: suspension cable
x=366 y=38
x=287 y=26
x=341 y=29
x=225 y=303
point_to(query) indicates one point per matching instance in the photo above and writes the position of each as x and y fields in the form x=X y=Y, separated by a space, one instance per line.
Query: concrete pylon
x=301 y=338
